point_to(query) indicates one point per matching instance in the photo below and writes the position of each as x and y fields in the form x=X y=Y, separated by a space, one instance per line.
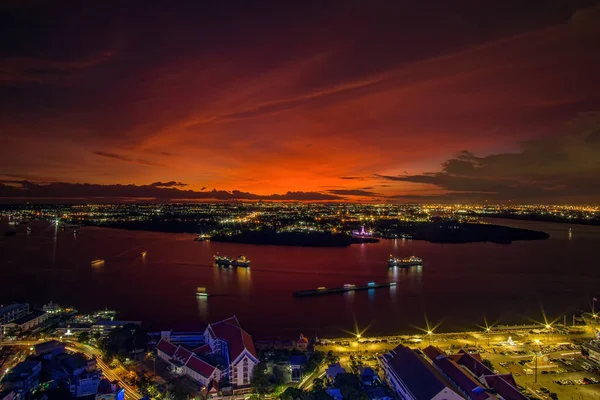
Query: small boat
x=29 y=230
x=144 y=253
x=201 y=292
x=97 y=262
x=202 y=238
x=75 y=232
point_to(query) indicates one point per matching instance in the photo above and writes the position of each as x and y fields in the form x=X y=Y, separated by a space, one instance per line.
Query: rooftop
x=418 y=376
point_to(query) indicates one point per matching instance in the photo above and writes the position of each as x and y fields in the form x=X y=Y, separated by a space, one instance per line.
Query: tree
x=123 y=341
x=291 y=393
x=331 y=357
x=277 y=376
x=349 y=386
x=83 y=337
x=488 y=363
x=260 y=379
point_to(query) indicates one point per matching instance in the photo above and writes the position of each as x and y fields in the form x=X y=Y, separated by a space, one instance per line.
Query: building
x=227 y=339
x=226 y=350
x=186 y=362
x=104 y=327
x=26 y=322
x=333 y=370
x=302 y=342
x=188 y=339
x=52 y=308
x=12 y=312
x=368 y=377
x=297 y=363
x=49 y=349
x=23 y=378
x=471 y=377
x=108 y=390
x=412 y=378
x=85 y=384
x=8 y=395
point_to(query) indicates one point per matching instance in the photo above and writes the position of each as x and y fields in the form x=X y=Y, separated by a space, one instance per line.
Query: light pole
x=358 y=343
x=488 y=335
x=537 y=356
x=548 y=328
x=429 y=334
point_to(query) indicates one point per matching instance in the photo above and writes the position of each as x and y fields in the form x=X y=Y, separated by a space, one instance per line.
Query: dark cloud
x=119 y=157
x=561 y=168
x=356 y=178
x=157 y=190
x=170 y=184
x=353 y=192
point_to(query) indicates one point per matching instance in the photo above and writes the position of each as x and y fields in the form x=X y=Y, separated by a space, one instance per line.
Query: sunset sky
x=446 y=101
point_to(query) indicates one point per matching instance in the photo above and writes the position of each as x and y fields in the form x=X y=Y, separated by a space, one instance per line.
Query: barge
x=322 y=290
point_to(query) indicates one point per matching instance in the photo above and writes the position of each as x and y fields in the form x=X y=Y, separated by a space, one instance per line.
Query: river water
x=458 y=286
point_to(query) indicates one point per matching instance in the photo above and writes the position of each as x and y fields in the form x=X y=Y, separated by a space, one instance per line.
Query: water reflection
x=244 y=276
x=202 y=307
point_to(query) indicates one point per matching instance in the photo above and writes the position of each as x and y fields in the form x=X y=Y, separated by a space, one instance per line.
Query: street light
x=358 y=342
x=488 y=335
x=429 y=334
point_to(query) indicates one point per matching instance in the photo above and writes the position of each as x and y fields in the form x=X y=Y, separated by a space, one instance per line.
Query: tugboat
x=411 y=261
x=98 y=262
x=223 y=261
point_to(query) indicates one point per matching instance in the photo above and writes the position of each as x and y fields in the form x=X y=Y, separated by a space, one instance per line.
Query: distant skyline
x=442 y=102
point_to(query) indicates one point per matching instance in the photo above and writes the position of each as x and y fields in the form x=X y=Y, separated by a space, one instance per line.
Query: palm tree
x=152 y=356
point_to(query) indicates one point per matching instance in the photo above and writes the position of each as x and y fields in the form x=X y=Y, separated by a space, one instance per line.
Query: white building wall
x=241 y=372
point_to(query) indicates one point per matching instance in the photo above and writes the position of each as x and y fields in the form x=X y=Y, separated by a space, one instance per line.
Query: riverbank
x=309 y=239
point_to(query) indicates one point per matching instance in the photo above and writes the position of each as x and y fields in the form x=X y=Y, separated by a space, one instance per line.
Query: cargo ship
x=411 y=261
x=223 y=261
x=97 y=262
x=322 y=290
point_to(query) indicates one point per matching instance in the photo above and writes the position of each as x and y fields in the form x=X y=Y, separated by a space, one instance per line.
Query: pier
x=346 y=288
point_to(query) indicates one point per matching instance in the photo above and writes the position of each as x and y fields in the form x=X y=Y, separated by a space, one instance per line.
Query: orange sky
x=301 y=109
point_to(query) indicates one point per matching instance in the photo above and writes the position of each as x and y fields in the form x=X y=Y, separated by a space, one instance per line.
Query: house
x=411 y=377
x=302 y=342
x=297 y=363
x=333 y=370
x=23 y=378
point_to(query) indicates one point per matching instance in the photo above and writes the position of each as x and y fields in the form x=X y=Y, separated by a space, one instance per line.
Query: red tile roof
x=182 y=354
x=199 y=366
x=166 y=347
x=201 y=350
x=237 y=339
x=456 y=374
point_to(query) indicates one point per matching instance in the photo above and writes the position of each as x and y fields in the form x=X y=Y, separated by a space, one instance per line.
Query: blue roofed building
x=411 y=377
x=297 y=363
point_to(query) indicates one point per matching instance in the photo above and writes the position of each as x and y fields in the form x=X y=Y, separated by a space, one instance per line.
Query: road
x=131 y=392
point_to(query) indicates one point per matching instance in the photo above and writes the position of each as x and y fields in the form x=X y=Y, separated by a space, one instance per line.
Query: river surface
x=458 y=286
